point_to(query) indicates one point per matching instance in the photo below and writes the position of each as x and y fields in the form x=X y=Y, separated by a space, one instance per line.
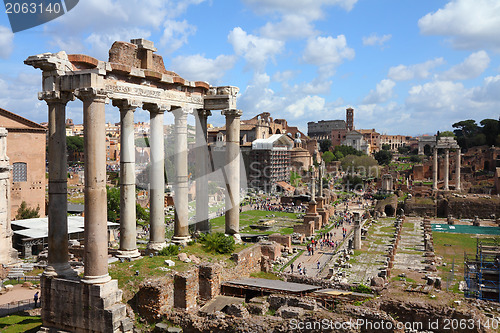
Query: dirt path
x=17 y=294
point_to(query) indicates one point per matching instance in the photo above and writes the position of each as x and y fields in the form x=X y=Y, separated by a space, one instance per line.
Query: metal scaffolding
x=482 y=271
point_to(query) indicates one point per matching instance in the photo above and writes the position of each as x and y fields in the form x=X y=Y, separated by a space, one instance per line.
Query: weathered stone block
x=287 y=312
x=285 y=240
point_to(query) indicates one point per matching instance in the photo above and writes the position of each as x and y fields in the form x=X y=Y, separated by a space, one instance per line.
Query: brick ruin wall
x=184 y=290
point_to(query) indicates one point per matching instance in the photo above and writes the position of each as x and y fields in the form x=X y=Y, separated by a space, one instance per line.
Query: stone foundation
x=73 y=306
x=306 y=229
x=186 y=289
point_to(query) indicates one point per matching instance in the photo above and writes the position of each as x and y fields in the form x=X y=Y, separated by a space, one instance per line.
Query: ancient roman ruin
x=133 y=77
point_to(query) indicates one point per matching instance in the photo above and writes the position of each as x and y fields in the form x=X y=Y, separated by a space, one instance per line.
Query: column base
x=128 y=254
x=62 y=270
x=181 y=240
x=237 y=238
x=96 y=279
x=155 y=246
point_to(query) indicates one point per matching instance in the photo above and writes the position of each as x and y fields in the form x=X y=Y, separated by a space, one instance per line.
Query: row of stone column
x=446 y=169
x=96 y=242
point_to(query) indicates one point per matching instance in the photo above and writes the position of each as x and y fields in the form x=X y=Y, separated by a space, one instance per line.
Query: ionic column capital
x=92 y=95
x=62 y=97
x=156 y=107
x=232 y=113
x=182 y=112
x=126 y=104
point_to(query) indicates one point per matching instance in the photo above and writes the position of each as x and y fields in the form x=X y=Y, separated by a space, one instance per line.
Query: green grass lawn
x=16 y=323
x=284 y=222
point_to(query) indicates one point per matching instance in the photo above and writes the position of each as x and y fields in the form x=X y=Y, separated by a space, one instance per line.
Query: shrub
x=218 y=242
x=171 y=250
x=361 y=288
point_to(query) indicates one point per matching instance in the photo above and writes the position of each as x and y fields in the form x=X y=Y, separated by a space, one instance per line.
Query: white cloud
x=440 y=96
x=256 y=50
x=309 y=104
x=327 y=53
x=489 y=92
x=199 y=68
x=374 y=39
x=470 y=24
x=473 y=66
x=176 y=34
x=6 y=42
x=284 y=76
x=417 y=71
x=382 y=92
x=311 y=9
x=291 y=26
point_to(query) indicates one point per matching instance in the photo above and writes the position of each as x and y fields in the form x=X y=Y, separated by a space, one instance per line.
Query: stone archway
x=389 y=210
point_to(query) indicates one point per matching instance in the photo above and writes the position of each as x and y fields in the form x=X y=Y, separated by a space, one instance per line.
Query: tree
x=324 y=145
x=465 y=131
x=358 y=164
x=328 y=156
x=403 y=150
x=113 y=196
x=383 y=157
x=74 y=144
x=491 y=129
x=25 y=212
x=386 y=146
x=446 y=134
x=347 y=150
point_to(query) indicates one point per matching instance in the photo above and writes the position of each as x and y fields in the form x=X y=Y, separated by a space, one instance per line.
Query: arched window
x=19 y=172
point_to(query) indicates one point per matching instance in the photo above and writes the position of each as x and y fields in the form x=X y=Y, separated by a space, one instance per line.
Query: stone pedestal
x=322 y=211
x=313 y=216
x=72 y=306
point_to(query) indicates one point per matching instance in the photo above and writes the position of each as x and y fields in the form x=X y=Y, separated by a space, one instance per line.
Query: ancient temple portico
x=446 y=143
x=134 y=77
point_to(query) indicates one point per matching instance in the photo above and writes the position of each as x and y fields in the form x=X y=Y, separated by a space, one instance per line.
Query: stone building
x=26 y=141
x=394 y=141
x=322 y=130
x=372 y=138
x=356 y=140
x=270 y=162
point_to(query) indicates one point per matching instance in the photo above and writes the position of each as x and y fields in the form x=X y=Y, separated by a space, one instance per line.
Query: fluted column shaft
x=232 y=168
x=181 y=226
x=446 y=168
x=157 y=180
x=58 y=191
x=128 y=236
x=96 y=230
x=202 y=171
x=458 y=165
x=435 y=169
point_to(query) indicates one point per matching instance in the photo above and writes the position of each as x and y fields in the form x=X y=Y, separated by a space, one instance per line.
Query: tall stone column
x=435 y=169
x=95 y=257
x=156 y=178
x=128 y=237
x=232 y=171
x=446 y=168
x=58 y=264
x=457 y=170
x=202 y=171
x=181 y=226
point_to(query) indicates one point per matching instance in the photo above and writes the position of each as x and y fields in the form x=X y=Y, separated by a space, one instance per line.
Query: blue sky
x=406 y=67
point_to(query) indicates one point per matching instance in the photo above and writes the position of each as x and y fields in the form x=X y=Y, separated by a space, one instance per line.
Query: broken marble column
x=446 y=168
x=156 y=178
x=435 y=169
x=58 y=264
x=232 y=169
x=95 y=257
x=128 y=241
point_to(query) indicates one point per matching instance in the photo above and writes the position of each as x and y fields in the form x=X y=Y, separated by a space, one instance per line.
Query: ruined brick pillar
x=209 y=280
x=58 y=264
x=128 y=243
x=186 y=290
x=232 y=171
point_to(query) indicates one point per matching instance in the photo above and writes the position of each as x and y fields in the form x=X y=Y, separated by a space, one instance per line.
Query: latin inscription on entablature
x=219 y=102
x=118 y=89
